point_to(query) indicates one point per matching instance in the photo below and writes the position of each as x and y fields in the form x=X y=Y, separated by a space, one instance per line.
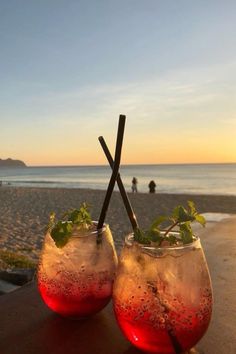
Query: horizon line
x=139 y=164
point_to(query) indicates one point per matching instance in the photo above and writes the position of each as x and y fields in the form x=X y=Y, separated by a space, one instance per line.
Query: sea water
x=218 y=179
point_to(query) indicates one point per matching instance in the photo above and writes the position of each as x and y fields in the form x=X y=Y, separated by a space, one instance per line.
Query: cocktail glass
x=162 y=296
x=76 y=280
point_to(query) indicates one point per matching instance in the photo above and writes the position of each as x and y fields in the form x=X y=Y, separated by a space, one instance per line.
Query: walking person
x=152 y=186
x=134 y=185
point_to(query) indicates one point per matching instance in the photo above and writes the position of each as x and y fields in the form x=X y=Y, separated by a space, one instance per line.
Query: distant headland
x=12 y=163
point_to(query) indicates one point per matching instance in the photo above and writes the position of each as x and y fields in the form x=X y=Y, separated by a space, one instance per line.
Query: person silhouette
x=134 y=185
x=152 y=186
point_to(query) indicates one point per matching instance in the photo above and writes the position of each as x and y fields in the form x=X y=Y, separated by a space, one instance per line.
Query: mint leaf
x=192 y=207
x=186 y=233
x=154 y=235
x=180 y=214
x=200 y=219
x=61 y=233
x=61 y=230
x=141 y=237
x=158 y=221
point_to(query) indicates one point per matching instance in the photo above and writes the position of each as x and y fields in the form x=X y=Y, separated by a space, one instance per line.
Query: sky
x=69 y=68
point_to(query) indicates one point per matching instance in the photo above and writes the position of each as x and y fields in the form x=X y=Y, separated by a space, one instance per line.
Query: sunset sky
x=70 y=67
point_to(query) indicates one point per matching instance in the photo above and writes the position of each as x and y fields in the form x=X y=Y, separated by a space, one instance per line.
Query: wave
x=33 y=182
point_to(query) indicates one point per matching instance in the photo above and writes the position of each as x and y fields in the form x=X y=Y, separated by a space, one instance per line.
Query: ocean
x=218 y=179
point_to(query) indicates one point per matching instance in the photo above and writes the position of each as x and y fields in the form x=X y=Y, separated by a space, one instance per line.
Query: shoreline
x=24 y=212
x=158 y=192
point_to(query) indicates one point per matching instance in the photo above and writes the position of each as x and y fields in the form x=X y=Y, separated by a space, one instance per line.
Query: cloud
x=193 y=92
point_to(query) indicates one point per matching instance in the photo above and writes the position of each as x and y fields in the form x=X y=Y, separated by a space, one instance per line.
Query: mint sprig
x=76 y=219
x=180 y=218
x=80 y=217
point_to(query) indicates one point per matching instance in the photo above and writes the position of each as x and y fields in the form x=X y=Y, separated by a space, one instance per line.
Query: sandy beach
x=24 y=212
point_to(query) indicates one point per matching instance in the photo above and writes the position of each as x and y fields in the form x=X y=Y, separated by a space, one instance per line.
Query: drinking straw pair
x=115 y=176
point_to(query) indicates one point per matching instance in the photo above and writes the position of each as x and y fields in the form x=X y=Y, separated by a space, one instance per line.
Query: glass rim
x=129 y=241
x=92 y=232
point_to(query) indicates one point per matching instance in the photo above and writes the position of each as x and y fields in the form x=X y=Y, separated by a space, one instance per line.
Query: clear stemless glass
x=76 y=280
x=162 y=296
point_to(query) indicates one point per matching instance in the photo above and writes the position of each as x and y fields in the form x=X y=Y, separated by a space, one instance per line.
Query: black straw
x=119 y=141
x=123 y=193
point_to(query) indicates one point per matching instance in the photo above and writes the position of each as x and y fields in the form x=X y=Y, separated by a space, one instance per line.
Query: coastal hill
x=12 y=163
